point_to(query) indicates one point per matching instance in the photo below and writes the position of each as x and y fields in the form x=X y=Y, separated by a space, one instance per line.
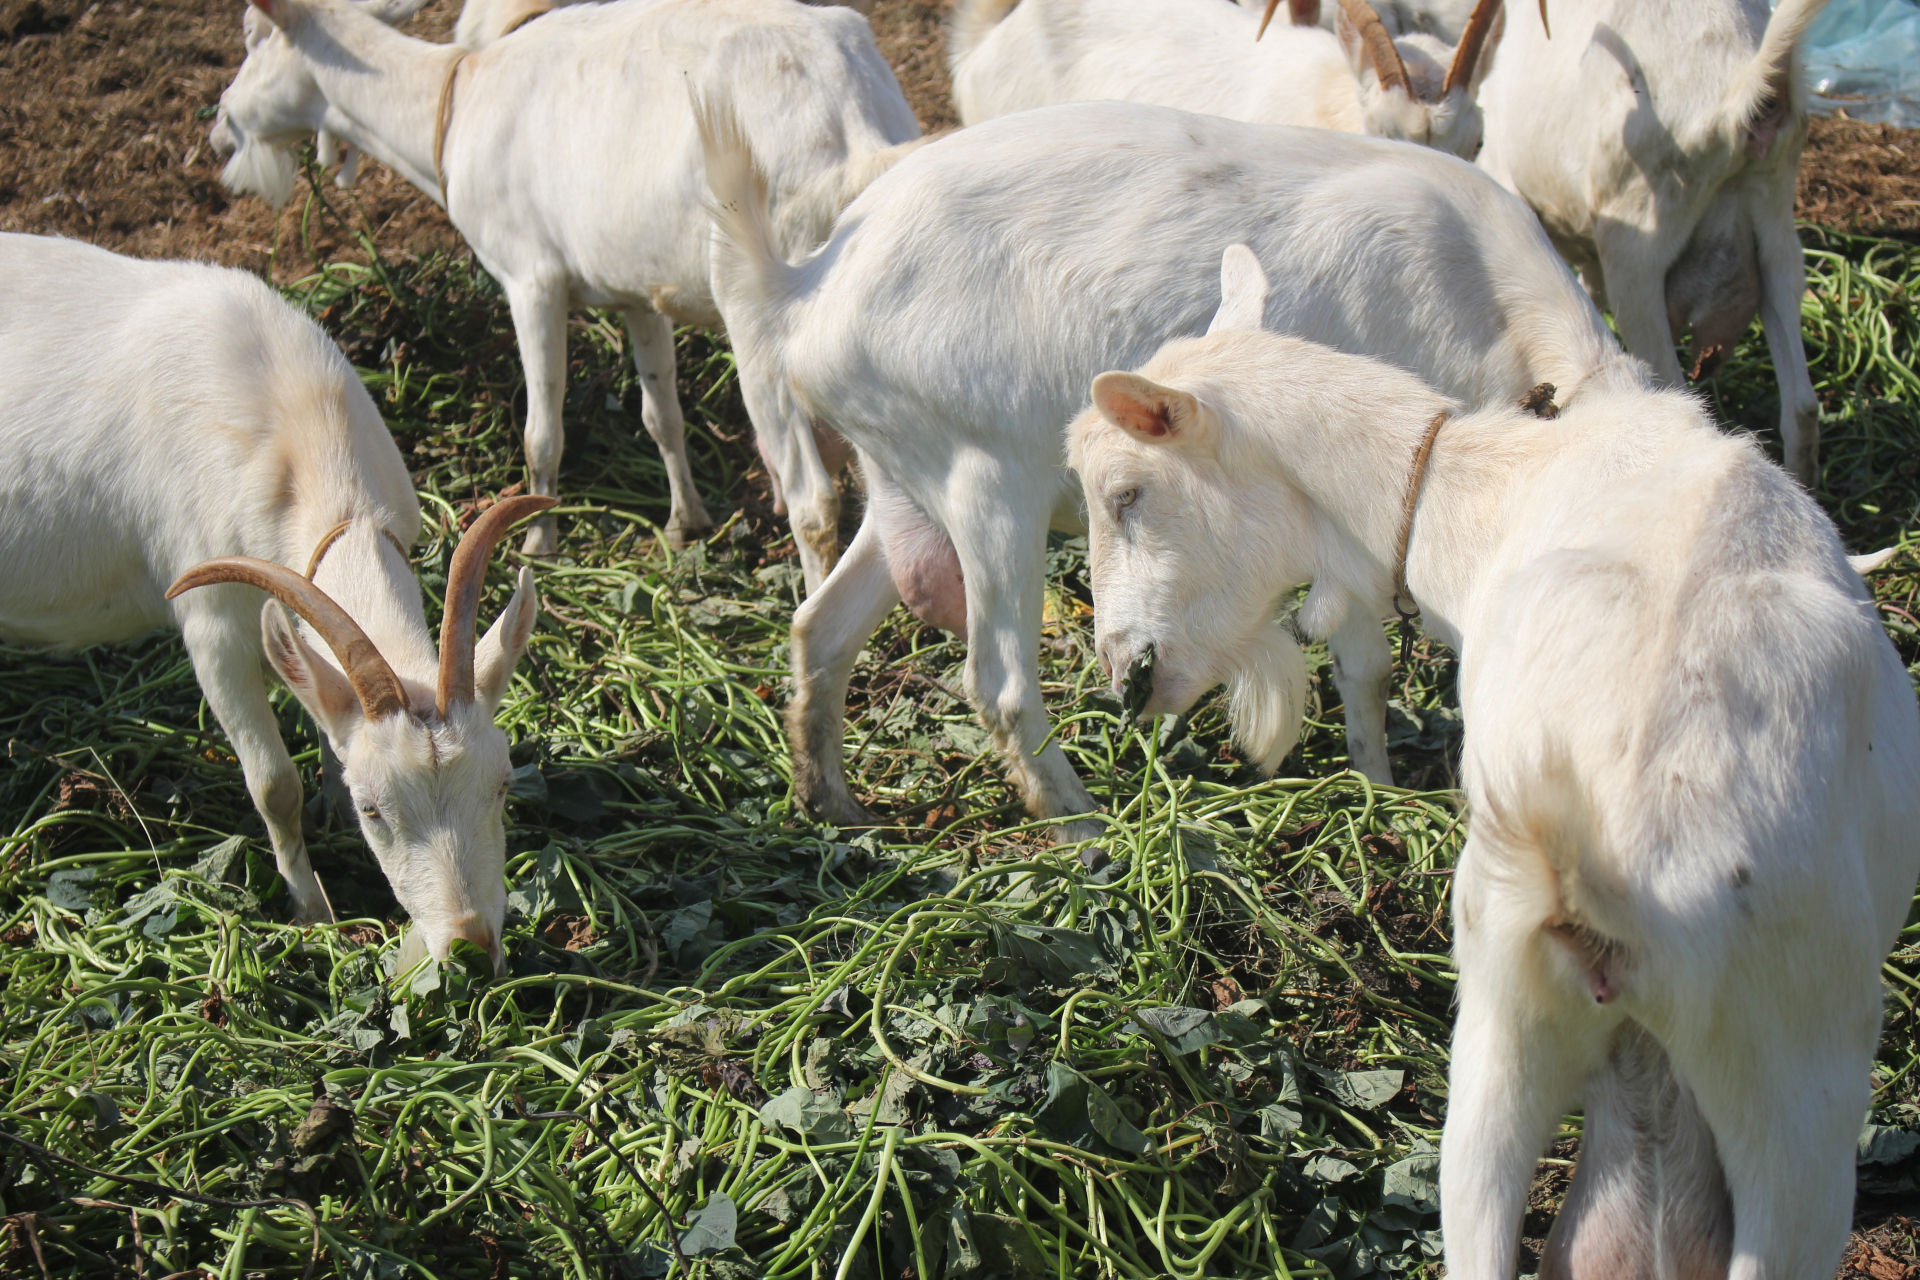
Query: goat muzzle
x=464 y=576
x=378 y=688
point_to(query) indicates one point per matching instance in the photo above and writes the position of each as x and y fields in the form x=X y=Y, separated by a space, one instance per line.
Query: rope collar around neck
x=1416 y=480
x=332 y=536
x=442 y=117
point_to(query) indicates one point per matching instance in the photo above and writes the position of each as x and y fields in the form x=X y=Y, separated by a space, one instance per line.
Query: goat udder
x=925 y=567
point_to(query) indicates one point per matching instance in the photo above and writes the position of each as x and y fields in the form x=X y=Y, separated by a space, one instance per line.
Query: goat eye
x=370 y=812
x=1126 y=498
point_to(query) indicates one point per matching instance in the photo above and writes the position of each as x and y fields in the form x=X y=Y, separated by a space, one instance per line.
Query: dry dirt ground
x=105 y=107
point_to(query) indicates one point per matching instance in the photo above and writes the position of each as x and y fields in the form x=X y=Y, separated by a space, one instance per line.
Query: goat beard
x=261 y=170
x=1267 y=698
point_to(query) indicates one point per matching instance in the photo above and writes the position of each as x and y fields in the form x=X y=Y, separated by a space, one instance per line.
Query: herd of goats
x=1255 y=305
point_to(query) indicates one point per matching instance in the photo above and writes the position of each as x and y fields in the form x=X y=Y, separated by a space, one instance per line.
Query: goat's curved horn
x=1265 y=18
x=1467 y=56
x=1380 y=47
x=464 y=576
x=379 y=690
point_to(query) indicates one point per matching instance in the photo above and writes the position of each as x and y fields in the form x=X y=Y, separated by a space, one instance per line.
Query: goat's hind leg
x=829 y=629
x=229 y=664
x=1521 y=1050
x=540 y=324
x=652 y=335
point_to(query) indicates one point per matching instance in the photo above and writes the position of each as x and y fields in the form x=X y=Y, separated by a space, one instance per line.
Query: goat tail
x=1761 y=86
x=1546 y=848
x=972 y=22
x=752 y=280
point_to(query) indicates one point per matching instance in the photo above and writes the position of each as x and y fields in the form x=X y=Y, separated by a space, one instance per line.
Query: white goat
x=572 y=165
x=1659 y=143
x=1692 y=759
x=949 y=327
x=481 y=22
x=1201 y=55
x=158 y=416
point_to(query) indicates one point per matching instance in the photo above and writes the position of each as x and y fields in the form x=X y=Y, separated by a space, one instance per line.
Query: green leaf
x=217 y=862
x=1078 y=1109
x=1186 y=1030
x=1362 y=1089
x=711 y=1229
x=807 y=1114
x=1328 y=1168
x=1277 y=1122
x=72 y=889
x=1057 y=955
x=1881 y=1144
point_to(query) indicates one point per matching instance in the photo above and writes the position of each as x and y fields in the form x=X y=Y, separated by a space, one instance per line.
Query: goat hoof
x=543 y=537
x=682 y=536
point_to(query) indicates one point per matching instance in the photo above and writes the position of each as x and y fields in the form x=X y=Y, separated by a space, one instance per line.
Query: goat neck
x=382 y=88
x=366 y=575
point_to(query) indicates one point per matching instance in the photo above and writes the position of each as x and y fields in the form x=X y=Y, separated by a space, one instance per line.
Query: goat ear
x=326 y=694
x=1243 y=291
x=1350 y=41
x=499 y=650
x=1146 y=410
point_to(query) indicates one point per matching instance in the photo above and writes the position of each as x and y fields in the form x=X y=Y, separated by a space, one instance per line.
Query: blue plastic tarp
x=1864 y=56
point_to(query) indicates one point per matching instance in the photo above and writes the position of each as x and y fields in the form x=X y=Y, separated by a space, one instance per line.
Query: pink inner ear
x=261 y=5
x=1153 y=420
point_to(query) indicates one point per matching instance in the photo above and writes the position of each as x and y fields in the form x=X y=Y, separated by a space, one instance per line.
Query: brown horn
x=1467 y=55
x=464 y=576
x=1300 y=13
x=1380 y=47
x=380 y=691
x=1544 y=26
x=1265 y=18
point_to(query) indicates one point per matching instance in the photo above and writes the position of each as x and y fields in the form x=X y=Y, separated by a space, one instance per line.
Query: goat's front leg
x=1783 y=281
x=1000 y=536
x=829 y=630
x=540 y=323
x=1635 y=272
x=652 y=335
x=229 y=664
x=1362 y=667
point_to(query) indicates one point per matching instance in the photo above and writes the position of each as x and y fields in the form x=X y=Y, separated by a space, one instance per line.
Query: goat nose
x=476 y=930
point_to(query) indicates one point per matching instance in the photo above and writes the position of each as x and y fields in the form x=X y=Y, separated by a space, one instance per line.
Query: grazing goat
x=1692 y=758
x=166 y=422
x=1659 y=143
x=949 y=327
x=1201 y=55
x=568 y=158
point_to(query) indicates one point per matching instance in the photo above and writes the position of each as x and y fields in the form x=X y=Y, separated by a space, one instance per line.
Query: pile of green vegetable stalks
x=734 y=1042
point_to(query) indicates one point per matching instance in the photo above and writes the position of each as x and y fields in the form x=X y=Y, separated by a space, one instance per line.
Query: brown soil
x=105 y=108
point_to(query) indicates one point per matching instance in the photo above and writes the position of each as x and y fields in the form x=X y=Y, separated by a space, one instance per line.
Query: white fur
x=481 y=22
x=1640 y=134
x=1692 y=759
x=156 y=415
x=574 y=166
x=951 y=325
x=1200 y=55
